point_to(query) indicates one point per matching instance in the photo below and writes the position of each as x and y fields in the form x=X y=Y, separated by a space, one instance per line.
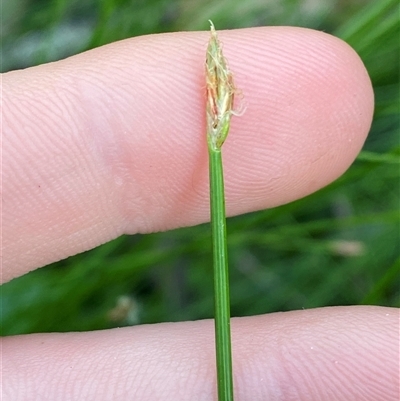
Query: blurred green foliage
x=339 y=246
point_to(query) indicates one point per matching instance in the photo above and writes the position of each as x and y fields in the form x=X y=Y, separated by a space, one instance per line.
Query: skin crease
x=111 y=141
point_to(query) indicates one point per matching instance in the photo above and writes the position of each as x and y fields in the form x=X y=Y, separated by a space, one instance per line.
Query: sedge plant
x=219 y=105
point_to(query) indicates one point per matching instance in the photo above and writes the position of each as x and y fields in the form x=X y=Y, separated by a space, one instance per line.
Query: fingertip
x=112 y=141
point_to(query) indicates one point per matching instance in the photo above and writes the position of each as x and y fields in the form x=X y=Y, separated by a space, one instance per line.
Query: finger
x=342 y=353
x=112 y=141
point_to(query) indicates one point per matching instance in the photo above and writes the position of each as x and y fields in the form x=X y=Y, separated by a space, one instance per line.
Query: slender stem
x=221 y=277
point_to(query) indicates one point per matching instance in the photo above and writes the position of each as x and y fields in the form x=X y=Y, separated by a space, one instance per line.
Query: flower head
x=220 y=93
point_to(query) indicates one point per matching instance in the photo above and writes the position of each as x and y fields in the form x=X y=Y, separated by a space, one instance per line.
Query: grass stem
x=221 y=278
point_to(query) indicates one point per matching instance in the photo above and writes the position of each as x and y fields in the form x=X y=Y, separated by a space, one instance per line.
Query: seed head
x=220 y=92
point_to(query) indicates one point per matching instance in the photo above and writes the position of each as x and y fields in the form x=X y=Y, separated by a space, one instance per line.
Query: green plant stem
x=221 y=277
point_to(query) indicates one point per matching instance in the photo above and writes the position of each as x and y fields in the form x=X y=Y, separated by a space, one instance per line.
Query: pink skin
x=112 y=141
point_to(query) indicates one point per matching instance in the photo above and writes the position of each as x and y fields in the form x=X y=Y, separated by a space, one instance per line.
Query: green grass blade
x=355 y=29
x=373 y=157
x=389 y=277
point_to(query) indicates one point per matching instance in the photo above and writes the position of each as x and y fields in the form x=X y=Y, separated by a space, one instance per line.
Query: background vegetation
x=339 y=246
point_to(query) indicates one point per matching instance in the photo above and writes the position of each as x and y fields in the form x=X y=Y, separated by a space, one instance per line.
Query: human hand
x=112 y=141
